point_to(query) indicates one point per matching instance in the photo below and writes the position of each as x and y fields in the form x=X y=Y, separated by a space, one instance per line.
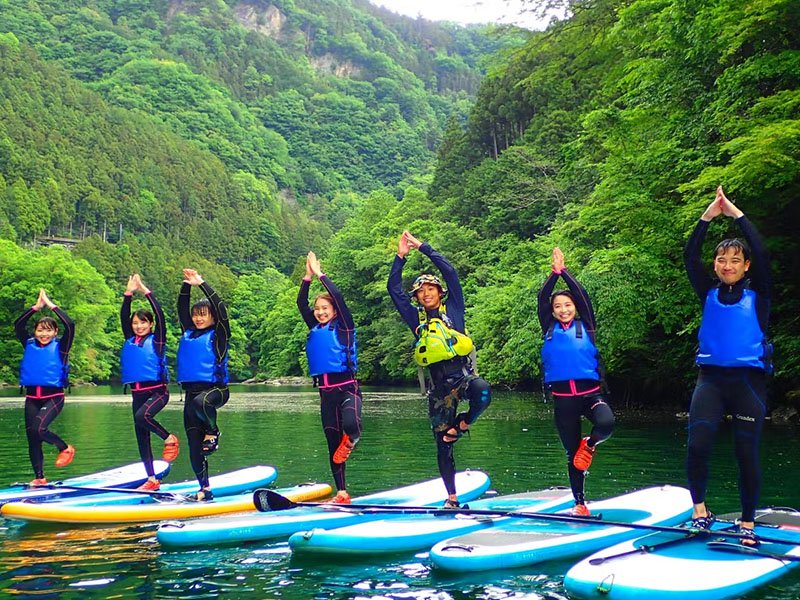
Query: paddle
x=156 y=494
x=267 y=500
x=644 y=549
x=750 y=551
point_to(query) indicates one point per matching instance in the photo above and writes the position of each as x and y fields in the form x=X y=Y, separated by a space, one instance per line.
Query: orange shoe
x=341 y=497
x=38 y=481
x=343 y=451
x=150 y=485
x=583 y=457
x=580 y=510
x=65 y=456
x=170 y=448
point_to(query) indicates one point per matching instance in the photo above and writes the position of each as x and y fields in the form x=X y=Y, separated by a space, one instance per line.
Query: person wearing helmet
x=444 y=348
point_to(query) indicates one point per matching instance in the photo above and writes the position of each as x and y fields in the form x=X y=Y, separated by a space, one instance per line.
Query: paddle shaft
x=278 y=502
x=728 y=547
x=59 y=486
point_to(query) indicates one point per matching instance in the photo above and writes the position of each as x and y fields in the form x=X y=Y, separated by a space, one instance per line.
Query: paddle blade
x=267 y=500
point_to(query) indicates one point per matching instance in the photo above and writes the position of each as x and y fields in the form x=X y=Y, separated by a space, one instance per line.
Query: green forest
x=234 y=137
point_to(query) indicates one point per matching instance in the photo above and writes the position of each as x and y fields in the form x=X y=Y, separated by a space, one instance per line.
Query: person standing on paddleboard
x=332 y=362
x=573 y=373
x=442 y=347
x=144 y=367
x=734 y=358
x=44 y=372
x=202 y=372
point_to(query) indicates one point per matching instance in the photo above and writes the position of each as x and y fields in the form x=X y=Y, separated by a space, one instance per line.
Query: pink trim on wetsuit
x=326 y=386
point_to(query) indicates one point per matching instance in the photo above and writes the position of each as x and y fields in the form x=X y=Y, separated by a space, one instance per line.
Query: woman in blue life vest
x=44 y=374
x=444 y=348
x=734 y=358
x=144 y=368
x=332 y=362
x=572 y=374
x=202 y=372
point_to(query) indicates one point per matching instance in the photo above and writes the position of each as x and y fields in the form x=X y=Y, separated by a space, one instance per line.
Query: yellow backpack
x=437 y=342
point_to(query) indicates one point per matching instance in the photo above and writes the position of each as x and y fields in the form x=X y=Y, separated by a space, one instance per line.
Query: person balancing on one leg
x=572 y=373
x=44 y=374
x=144 y=368
x=444 y=348
x=332 y=362
x=734 y=357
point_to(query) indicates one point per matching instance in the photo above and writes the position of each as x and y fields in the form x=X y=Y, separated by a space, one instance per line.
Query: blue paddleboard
x=670 y=566
x=519 y=542
x=420 y=532
x=268 y=525
x=128 y=476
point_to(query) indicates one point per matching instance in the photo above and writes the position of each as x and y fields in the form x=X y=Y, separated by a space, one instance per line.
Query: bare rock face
x=266 y=20
x=328 y=63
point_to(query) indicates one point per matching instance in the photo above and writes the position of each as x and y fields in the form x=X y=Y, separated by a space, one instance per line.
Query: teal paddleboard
x=670 y=566
x=520 y=542
x=420 y=532
x=269 y=525
x=128 y=476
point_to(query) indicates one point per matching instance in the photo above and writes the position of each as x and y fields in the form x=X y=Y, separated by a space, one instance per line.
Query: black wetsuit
x=204 y=398
x=576 y=397
x=451 y=380
x=149 y=397
x=339 y=393
x=738 y=391
x=44 y=403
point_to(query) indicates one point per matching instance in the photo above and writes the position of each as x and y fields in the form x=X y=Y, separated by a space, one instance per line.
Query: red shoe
x=584 y=455
x=40 y=481
x=581 y=510
x=65 y=456
x=170 y=448
x=343 y=451
x=341 y=497
x=150 y=485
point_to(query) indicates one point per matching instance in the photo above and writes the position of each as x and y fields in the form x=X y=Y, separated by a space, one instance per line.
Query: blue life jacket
x=327 y=354
x=730 y=334
x=568 y=354
x=41 y=365
x=141 y=362
x=197 y=360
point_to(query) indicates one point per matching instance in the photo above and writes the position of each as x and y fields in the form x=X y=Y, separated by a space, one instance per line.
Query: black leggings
x=340 y=409
x=38 y=416
x=443 y=402
x=200 y=419
x=568 y=412
x=742 y=393
x=146 y=404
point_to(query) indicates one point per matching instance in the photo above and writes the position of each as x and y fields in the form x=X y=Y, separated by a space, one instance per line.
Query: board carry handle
x=268 y=500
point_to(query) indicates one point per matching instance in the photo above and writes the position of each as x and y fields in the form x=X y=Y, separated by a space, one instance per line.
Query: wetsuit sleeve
x=342 y=312
x=66 y=339
x=184 y=314
x=760 y=272
x=160 y=327
x=302 y=304
x=582 y=303
x=399 y=296
x=455 y=294
x=21 y=326
x=125 y=316
x=692 y=260
x=222 y=329
x=545 y=313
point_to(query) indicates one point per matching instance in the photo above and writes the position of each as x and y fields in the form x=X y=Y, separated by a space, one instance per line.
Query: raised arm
x=222 y=328
x=125 y=310
x=160 y=326
x=395 y=286
x=184 y=310
x=21 y=325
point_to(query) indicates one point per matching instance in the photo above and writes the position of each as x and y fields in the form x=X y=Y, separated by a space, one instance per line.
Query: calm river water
x=514 y=442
